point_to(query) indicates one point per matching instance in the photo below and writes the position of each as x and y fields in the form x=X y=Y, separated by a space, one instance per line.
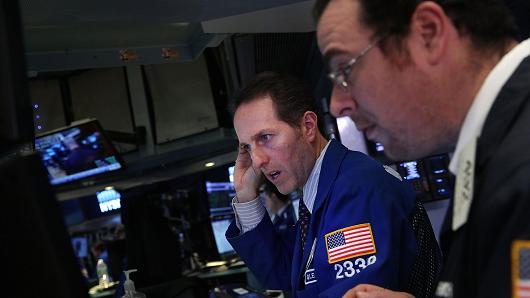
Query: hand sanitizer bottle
x=128 y=287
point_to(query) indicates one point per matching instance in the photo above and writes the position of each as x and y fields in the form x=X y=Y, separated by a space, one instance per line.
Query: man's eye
x=265 y=137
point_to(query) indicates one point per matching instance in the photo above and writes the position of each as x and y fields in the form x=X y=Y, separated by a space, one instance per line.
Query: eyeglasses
x=340 y=76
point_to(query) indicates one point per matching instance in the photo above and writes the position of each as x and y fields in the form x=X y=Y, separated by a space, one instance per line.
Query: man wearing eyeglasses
x=358 y=219
x=425 y=77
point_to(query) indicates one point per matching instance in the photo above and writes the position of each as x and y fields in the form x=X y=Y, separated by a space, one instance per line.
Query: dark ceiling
x=67 y=13
x=66 y=35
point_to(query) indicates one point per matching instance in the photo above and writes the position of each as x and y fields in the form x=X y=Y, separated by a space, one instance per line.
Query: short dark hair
x=270 y=189
x=291 y=96
x=488 y=23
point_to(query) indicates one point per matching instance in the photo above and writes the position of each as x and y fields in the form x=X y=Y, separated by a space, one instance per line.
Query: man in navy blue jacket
x=359 y=229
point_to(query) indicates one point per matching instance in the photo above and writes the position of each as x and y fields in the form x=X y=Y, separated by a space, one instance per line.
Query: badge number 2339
x=350 y=268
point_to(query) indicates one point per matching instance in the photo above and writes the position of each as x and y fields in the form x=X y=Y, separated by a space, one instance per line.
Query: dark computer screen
x=429 y=176
x=77 y=152
x=220 y=196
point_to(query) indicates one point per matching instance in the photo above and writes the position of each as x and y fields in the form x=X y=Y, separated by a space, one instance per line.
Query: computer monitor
x=80 y=245
x=220 y=196
x=77 y=152
x=429 y=176
x=220 y=224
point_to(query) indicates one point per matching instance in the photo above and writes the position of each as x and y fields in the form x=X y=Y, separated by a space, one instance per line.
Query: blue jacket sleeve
x=267 y=253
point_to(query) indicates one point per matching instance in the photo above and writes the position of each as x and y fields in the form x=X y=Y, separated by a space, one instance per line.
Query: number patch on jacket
x=350 y=268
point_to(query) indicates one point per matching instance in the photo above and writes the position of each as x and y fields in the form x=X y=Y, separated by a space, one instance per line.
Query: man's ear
x=429 y=27
x=309 y=125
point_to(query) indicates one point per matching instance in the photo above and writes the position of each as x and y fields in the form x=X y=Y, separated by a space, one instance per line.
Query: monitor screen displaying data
x=220 y=196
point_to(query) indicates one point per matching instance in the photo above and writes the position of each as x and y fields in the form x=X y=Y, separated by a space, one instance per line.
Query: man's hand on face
x=370 y=291
x=247 y=180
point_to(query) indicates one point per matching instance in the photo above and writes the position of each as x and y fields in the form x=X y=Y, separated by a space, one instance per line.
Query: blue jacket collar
x=330 y=169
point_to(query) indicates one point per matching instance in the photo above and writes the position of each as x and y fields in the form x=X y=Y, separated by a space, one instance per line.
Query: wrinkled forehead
x=257 y=105
x=254 y=116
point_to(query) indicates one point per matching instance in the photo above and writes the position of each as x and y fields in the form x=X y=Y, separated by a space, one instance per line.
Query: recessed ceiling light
x=209 y=164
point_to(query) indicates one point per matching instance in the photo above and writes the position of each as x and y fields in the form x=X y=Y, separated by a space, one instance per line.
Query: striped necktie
x=304 y=217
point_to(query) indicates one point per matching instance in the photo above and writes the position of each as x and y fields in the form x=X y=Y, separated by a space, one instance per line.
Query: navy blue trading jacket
x=359 y=226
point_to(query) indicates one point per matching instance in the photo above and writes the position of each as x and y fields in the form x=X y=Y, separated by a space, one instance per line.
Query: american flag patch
x=350 y=242
x=521 y=269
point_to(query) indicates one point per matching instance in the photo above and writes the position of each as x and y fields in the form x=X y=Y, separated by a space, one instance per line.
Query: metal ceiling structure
x=64 y=35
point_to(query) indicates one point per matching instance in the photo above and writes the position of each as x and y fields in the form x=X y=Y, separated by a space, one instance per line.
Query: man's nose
x=259 y=158
x=342 y=102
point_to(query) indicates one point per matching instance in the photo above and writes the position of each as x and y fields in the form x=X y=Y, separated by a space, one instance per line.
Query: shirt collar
x=476 y=116
x=311 y=186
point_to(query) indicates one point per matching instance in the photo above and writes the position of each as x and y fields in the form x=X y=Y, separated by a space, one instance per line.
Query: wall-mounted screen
x=76 y=152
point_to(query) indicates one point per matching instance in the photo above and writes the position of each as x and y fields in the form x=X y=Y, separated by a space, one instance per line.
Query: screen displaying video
x=77 y=152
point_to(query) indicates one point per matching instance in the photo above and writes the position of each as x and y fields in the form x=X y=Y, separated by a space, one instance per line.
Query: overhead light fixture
x=209 y=164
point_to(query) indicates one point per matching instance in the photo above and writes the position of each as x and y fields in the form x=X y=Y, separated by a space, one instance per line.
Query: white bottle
x=103 y=274
x=128 y=287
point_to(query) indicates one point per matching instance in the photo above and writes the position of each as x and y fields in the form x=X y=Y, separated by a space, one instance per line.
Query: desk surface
x=106 y=293
x=213 y=273
x=222 y=272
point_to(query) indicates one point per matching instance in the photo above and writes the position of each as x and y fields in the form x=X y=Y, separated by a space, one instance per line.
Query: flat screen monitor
x=77 y=152
x=220 y=196
x=220 y=224
x=80 y=245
